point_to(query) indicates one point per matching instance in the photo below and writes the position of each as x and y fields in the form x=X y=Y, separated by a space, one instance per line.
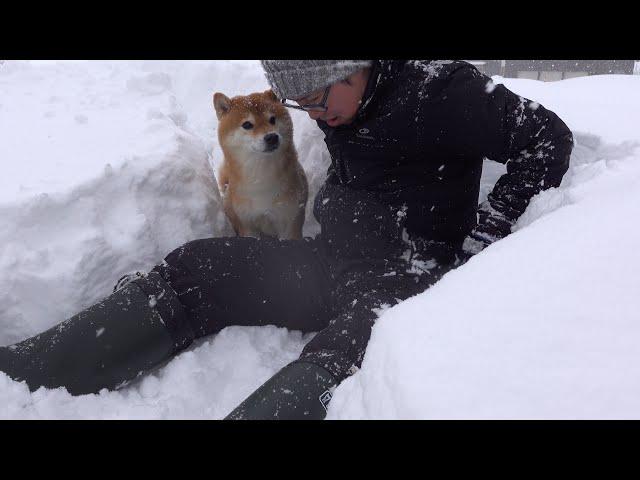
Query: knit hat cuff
x=300 y=82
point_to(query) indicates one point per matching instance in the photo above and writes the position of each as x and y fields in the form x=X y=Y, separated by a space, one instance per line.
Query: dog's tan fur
x=265 y=192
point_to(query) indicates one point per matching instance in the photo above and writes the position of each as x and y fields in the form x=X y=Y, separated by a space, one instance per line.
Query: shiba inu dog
x=264 y=186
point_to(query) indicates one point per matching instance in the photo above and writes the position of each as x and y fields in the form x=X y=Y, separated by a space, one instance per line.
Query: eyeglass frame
x=312 y=107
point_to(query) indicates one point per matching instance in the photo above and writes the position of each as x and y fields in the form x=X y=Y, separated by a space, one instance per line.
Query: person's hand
x=492 y=226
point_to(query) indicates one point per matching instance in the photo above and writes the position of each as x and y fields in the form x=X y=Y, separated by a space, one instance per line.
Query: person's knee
x=238 y=280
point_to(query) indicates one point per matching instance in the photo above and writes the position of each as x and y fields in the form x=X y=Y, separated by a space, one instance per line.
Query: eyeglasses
x=312 y=107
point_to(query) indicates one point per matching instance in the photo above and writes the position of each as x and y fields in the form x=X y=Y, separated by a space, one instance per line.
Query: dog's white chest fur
x=266 y=206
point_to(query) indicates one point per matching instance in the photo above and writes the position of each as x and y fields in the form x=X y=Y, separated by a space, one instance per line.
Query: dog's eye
x=272 y=120
x=247 y=125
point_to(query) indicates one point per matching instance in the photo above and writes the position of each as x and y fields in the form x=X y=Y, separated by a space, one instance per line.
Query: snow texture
x=108 y=166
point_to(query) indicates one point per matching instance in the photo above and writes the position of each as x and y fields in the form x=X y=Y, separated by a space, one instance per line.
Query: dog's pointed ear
x=221 y=103
x=271 y=96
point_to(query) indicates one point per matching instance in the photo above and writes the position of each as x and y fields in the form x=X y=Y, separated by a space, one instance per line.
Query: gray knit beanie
x=298 y=78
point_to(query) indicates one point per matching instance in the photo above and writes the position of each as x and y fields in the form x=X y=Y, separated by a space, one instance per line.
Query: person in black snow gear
x=399 y=208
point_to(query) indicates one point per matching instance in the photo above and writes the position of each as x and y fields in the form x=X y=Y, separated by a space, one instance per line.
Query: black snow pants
x=294 y=284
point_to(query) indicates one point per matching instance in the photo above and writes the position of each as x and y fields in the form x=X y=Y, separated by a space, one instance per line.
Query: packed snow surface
x=108 y=166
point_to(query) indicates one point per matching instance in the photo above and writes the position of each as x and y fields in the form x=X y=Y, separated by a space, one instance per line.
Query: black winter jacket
x=411 y=161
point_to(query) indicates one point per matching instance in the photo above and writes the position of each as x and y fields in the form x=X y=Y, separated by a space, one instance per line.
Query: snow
x=108 y=166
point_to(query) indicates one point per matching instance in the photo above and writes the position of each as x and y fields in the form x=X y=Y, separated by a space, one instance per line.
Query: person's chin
x=337 y=121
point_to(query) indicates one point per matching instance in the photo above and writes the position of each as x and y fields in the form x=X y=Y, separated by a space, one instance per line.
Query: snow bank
x=102 y=176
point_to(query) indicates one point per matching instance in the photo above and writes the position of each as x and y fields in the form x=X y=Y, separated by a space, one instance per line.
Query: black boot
x=107 y=345
x=300 y=391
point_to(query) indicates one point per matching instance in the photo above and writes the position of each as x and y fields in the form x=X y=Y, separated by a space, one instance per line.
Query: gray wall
x=542 y=69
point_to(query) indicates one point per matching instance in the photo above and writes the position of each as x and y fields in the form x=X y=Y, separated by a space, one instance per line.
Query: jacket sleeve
x=533 y=143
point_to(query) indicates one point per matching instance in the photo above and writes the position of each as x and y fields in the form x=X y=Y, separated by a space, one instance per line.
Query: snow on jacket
x=412 y=159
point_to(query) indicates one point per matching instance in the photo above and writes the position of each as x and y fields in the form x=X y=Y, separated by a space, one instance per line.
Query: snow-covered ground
x=108 y=166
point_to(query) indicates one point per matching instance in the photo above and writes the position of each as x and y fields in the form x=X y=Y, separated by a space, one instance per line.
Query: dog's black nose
x=271 y=140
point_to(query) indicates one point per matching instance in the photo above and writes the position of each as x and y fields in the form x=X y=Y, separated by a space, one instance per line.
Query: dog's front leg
x=293 y=230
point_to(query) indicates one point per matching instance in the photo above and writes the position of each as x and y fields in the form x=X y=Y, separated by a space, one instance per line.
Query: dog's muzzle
x=271 y=142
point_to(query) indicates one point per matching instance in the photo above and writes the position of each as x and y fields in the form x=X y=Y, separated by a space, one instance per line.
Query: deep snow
x=108 y=166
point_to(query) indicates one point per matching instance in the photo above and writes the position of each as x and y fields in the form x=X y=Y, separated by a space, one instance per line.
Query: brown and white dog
x=264 y=186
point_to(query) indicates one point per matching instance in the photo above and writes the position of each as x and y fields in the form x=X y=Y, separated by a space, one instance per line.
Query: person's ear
x=222 y=104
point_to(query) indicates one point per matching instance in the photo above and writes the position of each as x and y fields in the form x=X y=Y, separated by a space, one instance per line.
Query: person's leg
x=200 y=288
x=303 y=388
x=246 y=281
x=106 y=345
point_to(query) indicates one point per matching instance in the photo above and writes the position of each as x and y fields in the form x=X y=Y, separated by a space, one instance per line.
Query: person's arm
x=533 y=143
x=537 y=154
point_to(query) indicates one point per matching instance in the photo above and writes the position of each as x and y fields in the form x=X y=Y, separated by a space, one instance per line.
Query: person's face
x=342 y=102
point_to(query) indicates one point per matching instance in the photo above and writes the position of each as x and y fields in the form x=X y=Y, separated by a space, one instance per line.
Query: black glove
x=492 y=226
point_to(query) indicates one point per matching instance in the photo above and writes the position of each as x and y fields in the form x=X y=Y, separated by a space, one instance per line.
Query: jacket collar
x=383 y=72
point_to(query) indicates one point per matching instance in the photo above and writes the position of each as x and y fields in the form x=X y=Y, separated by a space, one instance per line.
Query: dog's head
x=256 y=123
